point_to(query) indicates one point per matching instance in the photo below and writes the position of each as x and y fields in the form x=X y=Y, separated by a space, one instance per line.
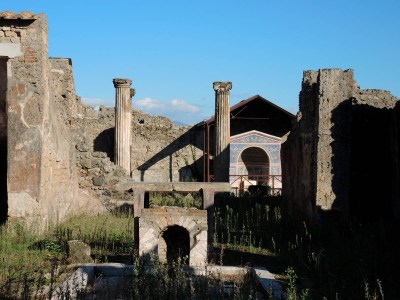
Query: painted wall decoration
x=270 y=144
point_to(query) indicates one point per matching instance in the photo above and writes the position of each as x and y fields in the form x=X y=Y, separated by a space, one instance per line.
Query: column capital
x=122 y=82
x=222 y=86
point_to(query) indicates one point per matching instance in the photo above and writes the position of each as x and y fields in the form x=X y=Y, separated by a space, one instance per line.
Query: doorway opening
x=254 y=163
x=174 y=245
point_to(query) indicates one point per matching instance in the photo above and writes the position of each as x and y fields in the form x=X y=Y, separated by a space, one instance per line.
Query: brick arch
x=155 y=221
x=174 y=243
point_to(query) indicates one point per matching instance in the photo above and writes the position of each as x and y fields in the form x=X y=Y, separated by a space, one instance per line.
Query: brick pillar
x=222 y=131
x=123 y=116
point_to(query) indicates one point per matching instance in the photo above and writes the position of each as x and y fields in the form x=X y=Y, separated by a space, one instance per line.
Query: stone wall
x=154 y=222
x=160 y=152
x=63 y=88
x=338 y=155
x=40 y=169
x=27 y=96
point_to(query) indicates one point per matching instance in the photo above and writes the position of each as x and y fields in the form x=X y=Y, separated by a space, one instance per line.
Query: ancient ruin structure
x=342 y=155
x=123 y=120
x=59 y=156
x=174 y=232
x=39 y=178
x=256 y=128
x=222 y=131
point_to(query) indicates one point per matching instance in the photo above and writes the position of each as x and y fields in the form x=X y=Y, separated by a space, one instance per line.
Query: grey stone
x=94 y=171
x=120 y=172
x=99 y=154
x=82 y=146
x=86 y=163
x=78 y=252
x=98 y=181
x=107 y=168
x=96 y=162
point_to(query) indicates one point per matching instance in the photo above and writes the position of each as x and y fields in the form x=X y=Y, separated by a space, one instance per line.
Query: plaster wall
x=329 y=158
x=41 y=175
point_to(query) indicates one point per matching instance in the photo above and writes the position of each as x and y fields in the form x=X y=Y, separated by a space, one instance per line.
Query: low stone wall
x=155 y=221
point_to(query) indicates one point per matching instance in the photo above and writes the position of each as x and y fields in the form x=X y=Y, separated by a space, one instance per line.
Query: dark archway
x=254 y=162
x=3 y=140
x=177 y=243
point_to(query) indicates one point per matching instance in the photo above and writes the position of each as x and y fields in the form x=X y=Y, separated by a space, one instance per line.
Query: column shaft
x=123 y=119
x=222 y=131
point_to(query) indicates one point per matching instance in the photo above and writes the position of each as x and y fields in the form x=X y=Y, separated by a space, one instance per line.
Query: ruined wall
x=41 y=173
x=48 y=132
x=332 y=159
x=297 y=153
x=372 y=188
x=27 y=97
x=63 y=88
x=395 y=203
x=161 y=151
x=3 y=139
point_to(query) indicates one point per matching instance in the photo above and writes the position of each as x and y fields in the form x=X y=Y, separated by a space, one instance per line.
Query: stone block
x=94 y=171
x=86 y=163
x=78 y=252
x=99 y=154
x=98 y=181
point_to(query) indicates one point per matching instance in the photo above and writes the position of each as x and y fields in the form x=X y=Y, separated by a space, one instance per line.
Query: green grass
x=107 y=234
x=30 y=259
x=332 y=260
x=24 y=265
x=176 y=199
x=350 y=261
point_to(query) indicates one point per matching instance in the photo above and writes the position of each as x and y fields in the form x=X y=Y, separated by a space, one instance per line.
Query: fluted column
x=222 y=131
x=123 y=116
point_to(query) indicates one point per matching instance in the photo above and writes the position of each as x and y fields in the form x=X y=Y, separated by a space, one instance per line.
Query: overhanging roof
x=244 y=102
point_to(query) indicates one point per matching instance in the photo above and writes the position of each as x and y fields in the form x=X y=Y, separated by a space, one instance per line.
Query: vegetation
x=30 y=260
x=107 y=234
x=172 y=282
x=25 y=264
x=176 y=199
x=332 y=260
x=351 y=261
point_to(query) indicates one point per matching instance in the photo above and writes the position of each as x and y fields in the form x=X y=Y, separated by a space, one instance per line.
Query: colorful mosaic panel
x=255 y=138
x=270 y=145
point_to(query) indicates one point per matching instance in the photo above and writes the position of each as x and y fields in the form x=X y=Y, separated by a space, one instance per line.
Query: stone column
x=222 y=131
x=123 y=117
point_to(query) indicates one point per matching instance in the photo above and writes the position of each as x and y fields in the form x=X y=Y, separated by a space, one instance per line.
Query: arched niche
x=174 y=245
x=254 y=162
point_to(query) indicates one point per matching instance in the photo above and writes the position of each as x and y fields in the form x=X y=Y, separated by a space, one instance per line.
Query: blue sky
x=174 y=50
